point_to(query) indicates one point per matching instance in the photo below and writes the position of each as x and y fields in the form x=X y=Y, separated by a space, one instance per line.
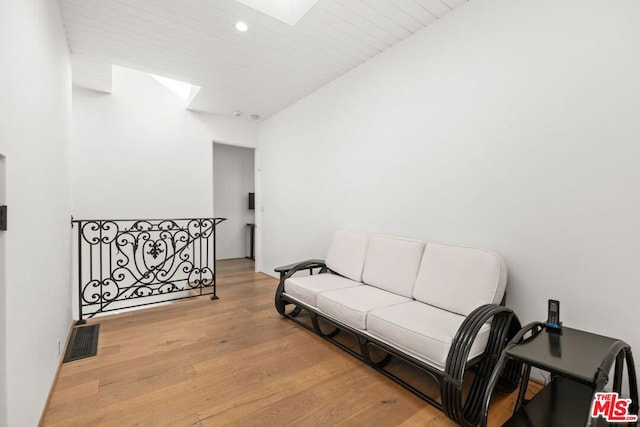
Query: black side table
x=252 y=239
x=579 y=363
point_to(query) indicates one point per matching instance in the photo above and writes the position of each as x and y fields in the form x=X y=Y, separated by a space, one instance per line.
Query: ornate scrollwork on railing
x=129 y=263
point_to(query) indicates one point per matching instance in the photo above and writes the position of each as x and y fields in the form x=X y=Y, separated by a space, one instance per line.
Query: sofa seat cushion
x=306 y=288
x=351 y=305
x=423 y=331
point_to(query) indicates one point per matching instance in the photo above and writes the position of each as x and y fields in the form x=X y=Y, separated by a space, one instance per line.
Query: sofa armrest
x=499 y=368
x=289 y=270
x=309 y=264
x=504 y=325
x=285 y=268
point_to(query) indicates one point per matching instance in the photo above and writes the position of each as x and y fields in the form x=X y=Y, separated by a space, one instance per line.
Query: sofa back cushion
x=459 y=279
x=392 y=264
x=347 y=252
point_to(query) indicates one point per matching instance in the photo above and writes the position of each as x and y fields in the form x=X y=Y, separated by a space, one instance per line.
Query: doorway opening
x=3 y=299
x=234 y=199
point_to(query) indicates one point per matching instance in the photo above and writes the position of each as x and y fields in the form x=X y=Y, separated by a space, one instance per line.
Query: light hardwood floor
x=233 y=361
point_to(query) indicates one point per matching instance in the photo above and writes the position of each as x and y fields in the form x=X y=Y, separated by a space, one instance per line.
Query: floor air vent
x=83 y=343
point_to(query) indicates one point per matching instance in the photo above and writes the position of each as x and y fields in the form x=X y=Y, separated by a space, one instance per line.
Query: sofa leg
x=280 y=304
x=384 y=362
x=319 y=331
x=362 y=341
x=380 y=365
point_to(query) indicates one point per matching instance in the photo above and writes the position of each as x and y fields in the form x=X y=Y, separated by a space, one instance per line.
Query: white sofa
x=434 y=305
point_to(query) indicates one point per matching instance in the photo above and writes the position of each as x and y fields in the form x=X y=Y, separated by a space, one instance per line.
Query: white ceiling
x=258 y=72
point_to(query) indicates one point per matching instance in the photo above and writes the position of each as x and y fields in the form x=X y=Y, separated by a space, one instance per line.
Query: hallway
x=233 y=361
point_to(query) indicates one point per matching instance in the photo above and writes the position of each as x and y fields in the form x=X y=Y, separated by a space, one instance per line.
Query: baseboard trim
x=55 y=378
x=272 y=275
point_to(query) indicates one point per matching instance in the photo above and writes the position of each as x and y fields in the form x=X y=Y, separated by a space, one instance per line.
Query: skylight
x=287 y=11
x=182 y=89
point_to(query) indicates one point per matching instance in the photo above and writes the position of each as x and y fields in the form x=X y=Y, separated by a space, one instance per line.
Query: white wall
x=137 y=153
x=35 y=111
x=507 y=124
x=233 y=180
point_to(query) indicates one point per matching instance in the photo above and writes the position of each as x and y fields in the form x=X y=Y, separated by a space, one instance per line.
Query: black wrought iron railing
x=131 y=263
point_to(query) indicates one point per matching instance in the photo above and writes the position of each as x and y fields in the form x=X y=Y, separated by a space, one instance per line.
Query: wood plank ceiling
x=261 y=71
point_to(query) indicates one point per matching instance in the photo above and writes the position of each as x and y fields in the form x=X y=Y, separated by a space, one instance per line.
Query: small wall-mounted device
x=252 y=201
x=553 y=318
x=3 y=218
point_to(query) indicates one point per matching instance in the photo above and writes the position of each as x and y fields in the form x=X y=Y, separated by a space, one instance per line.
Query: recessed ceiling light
x=237 y=113
x=242 y=26
x=255 y=116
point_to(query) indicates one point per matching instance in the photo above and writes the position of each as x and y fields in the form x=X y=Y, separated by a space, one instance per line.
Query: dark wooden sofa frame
x=466 y=412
